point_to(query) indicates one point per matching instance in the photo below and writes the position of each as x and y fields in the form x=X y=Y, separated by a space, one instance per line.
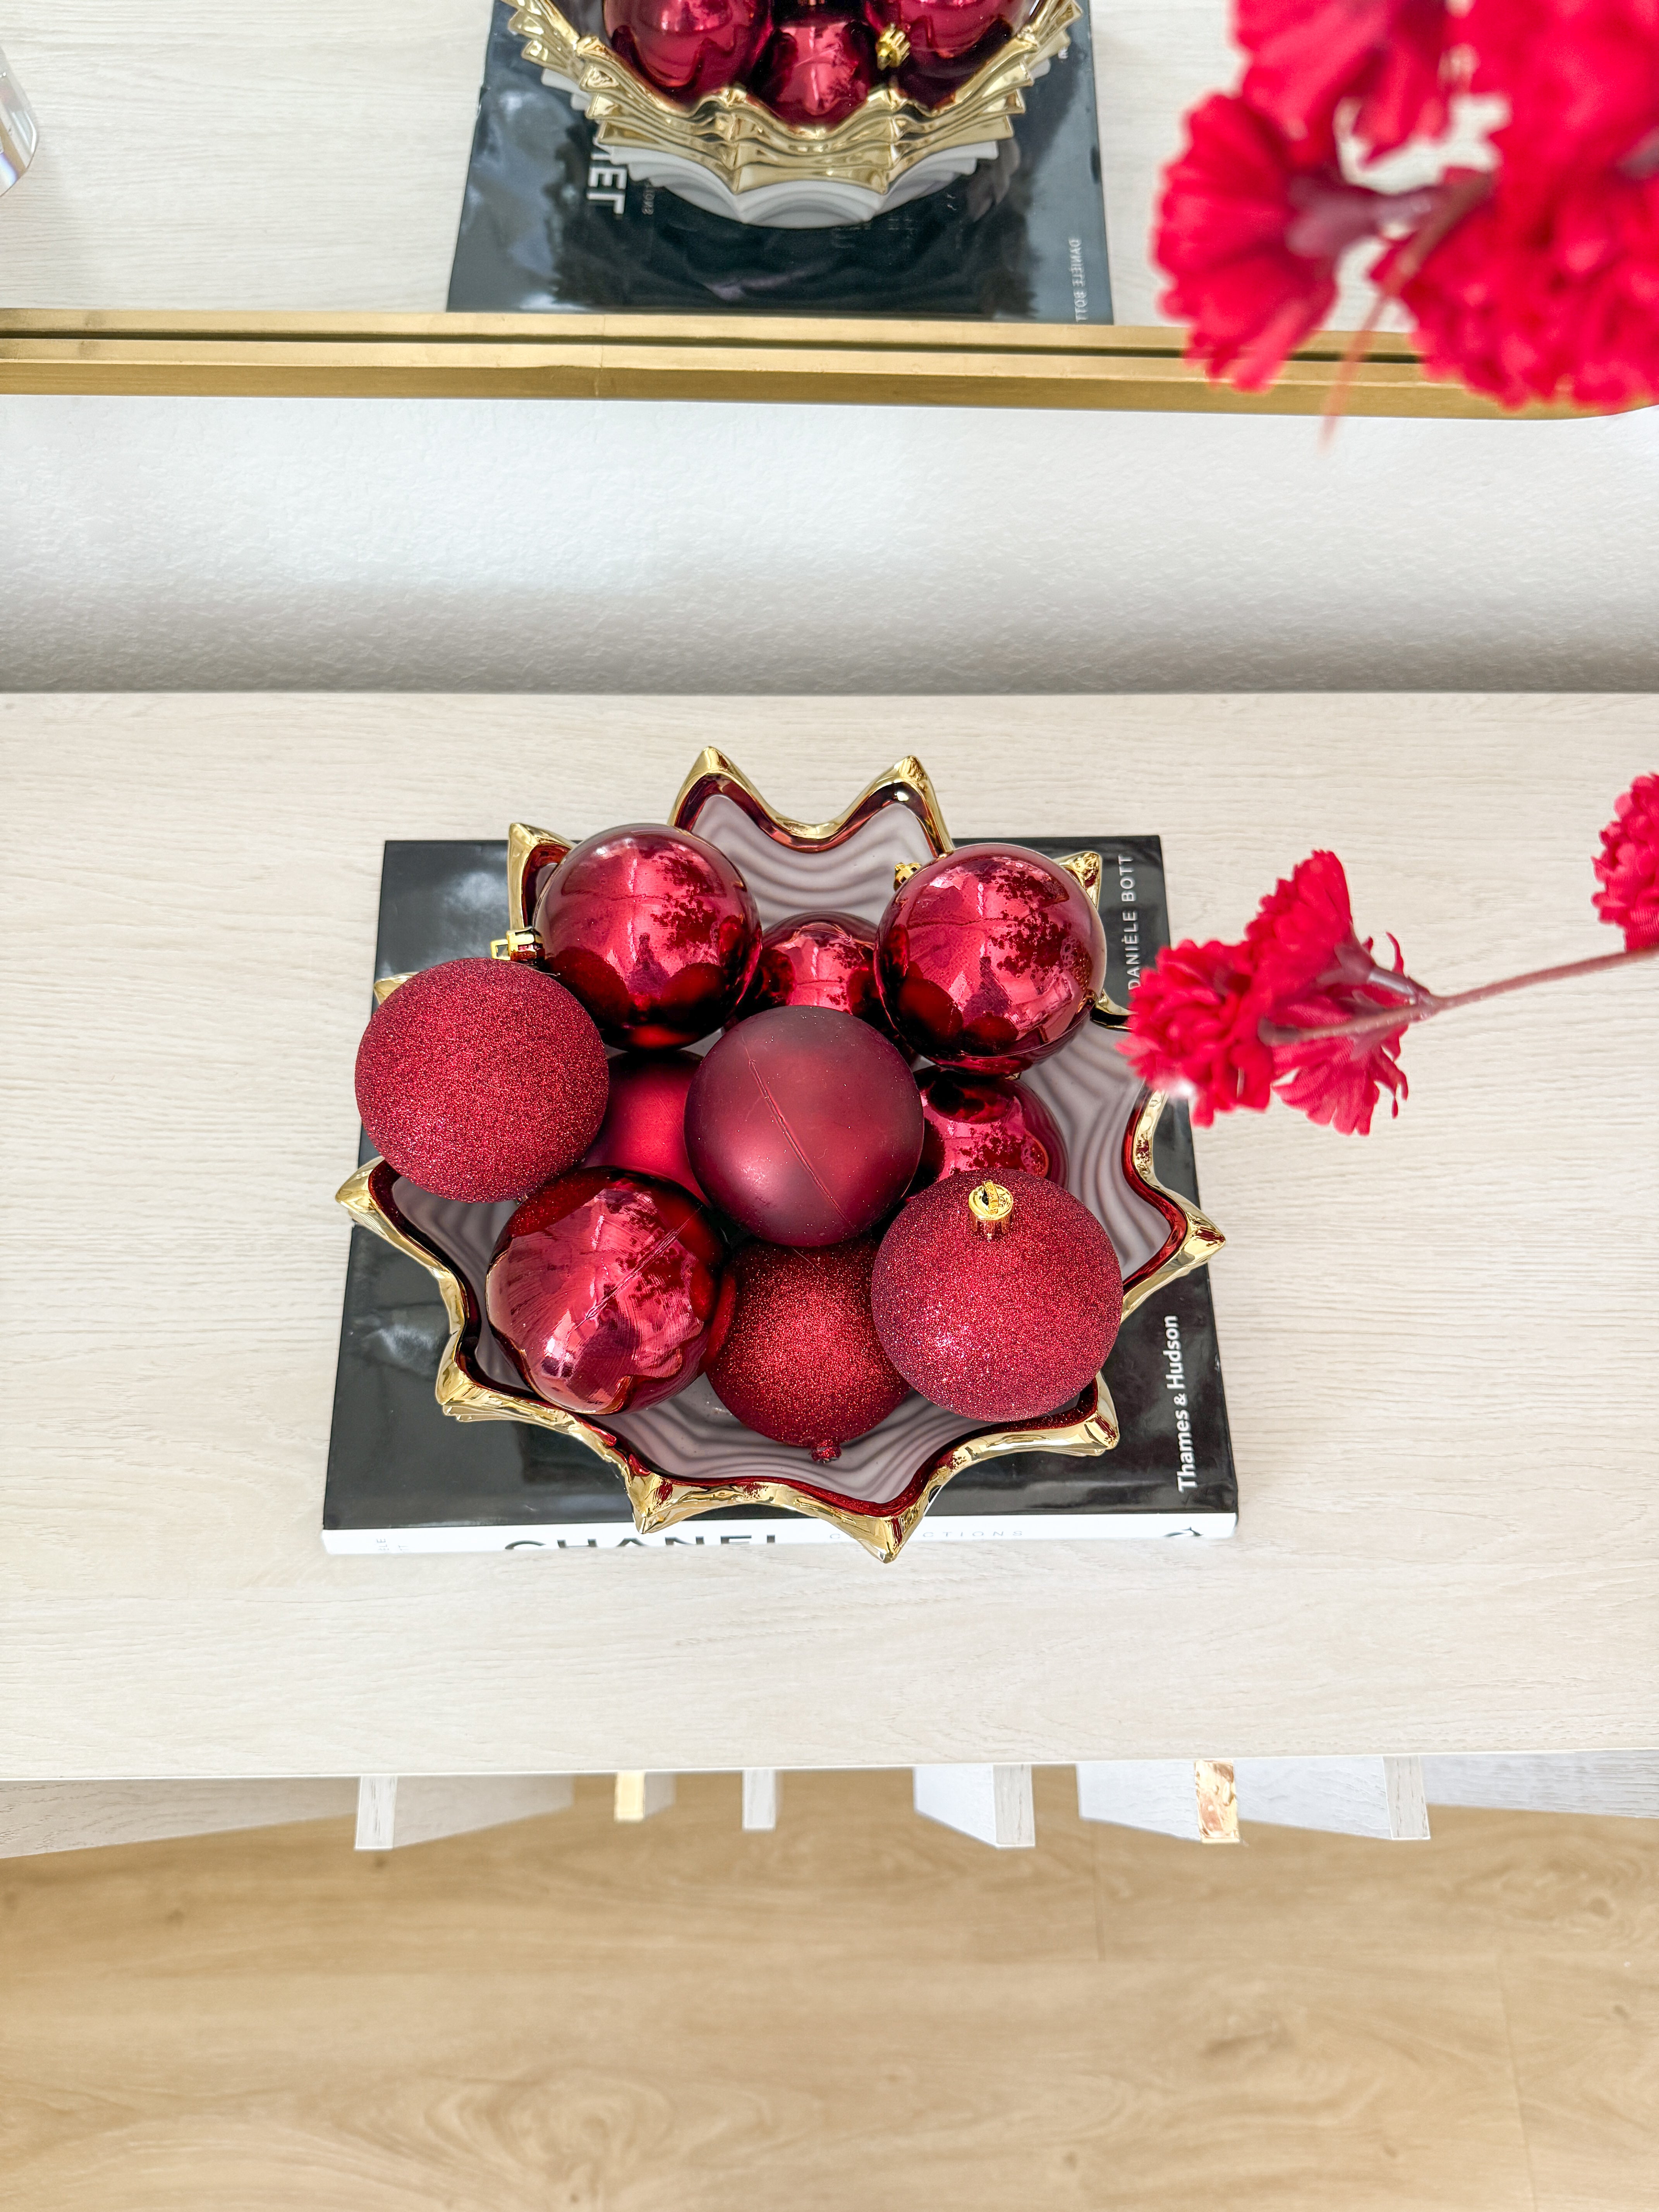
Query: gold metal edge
x=1202 y=1240
x=712 y=767
x=384 y=987
x=739 y=140
x=521 y=841
x=1218 y=1800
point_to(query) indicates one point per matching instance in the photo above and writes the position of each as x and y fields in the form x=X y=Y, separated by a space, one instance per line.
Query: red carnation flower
x=1195 y=1028
x=1250 y=228
x=1223 y=1024
x=1628 y=865
x=1387 y=55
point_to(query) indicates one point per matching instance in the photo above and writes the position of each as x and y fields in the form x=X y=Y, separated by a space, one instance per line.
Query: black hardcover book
x=550 y=223
x=403 y=1477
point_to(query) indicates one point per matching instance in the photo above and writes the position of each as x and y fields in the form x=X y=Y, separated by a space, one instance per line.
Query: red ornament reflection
x=805 y=1125
x=989 y=958
x=944 y=30
x=604 y=1286
x=644 y=1125
x=818 y=69
x=688 y=47
x=984 y=1125
x=818 y=960
x=653 y=930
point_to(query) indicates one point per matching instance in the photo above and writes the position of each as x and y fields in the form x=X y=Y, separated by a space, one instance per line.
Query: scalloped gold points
x=905 y=784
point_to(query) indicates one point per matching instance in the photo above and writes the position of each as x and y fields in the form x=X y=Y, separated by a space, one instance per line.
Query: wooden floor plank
x=860 y=2011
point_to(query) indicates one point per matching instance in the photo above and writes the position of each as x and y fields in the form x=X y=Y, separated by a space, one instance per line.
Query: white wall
x=443 y=544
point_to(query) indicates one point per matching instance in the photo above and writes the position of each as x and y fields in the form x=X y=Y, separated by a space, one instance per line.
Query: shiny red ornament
x=979 y=1125
x=644 y=1125
x=818 y=960
x=804 y=1125
x=478 y=1079
x=688 y=47
x=1627 y=865
x=801 y=1362
x=930 y=80
x=945 y=30
x=653 y=930
x=989 y=958
x=606 y=1288
x=817 y=69
x=996 y=1320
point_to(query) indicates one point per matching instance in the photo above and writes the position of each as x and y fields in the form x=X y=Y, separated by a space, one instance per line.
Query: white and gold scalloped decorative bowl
x=730 y=154
x=687 y=1454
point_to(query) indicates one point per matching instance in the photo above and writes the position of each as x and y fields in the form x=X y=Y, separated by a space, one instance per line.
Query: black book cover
x=402 y=1476
x=545 y=227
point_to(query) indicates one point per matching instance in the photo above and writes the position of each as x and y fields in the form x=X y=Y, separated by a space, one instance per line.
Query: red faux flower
x=1250 y=229
x=1195 y=1030
x=1387 y=55
x=1211 y=1022
x=1627 y=865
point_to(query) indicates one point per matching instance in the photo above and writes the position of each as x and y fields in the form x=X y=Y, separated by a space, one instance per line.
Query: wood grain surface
x=861 y=2008
x=1438 y=1343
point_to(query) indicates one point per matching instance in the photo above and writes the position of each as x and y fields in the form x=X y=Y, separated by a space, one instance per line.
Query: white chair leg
x=1193 y=1799
x=395 y=1810
x=1381 y=1797
x=760 y=1797
x=73 y=1816
x=991 y=1803
x=640 y=1795
x=1624 y=1783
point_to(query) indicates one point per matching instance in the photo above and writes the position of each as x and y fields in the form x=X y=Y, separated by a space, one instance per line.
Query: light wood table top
x=1439 y=1344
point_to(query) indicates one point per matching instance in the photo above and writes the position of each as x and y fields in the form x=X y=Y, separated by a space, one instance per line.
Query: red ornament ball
x=989 y=958
x=653 y=930
x=479 y=1078
x=804 y=1125
x=945 y=30
x=979 y=1125
x=801 y=1362
x=605 y=1287
x=818 y=68
x=997 y=1319
x=818 y=960
x=688 y=47
x=644 y=1125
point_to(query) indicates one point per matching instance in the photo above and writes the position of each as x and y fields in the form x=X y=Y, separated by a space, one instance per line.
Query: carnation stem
x=1392 y=1017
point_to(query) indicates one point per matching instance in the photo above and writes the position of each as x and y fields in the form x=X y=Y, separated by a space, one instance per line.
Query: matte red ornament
x=989 y=958
x=653 y=930
x=478 y=1079
x=817 y=69
x=818 y=960
x=644 y=1125
x=605 y=1286
x=944 y=30
x=979 y=1125
x=804 y=1125
x=688 y=47
x=801 y=1362
x=998 y=1319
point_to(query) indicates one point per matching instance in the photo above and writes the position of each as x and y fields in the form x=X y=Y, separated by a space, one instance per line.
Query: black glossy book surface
x=545 y=227
x=402 y=1476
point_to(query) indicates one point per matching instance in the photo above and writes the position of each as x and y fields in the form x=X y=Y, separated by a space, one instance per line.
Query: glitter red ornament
x=979 y=1125
x=801 y=1362
x=653 y=930
x=818 y=960
x=605 y=1286
x=989 y=958
x=688 y=47
x=997 y=1300
x=804 y=1125
x=644 y=1125
x=478 y=1079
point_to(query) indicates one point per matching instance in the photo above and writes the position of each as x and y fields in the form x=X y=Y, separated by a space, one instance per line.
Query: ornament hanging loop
x=991 y=1205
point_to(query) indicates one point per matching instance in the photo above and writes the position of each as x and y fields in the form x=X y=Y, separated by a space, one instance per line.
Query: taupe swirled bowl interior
x=687 y=1454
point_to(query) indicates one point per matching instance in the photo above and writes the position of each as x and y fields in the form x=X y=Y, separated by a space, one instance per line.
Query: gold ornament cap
x=892 y=48
x=991 y=1206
